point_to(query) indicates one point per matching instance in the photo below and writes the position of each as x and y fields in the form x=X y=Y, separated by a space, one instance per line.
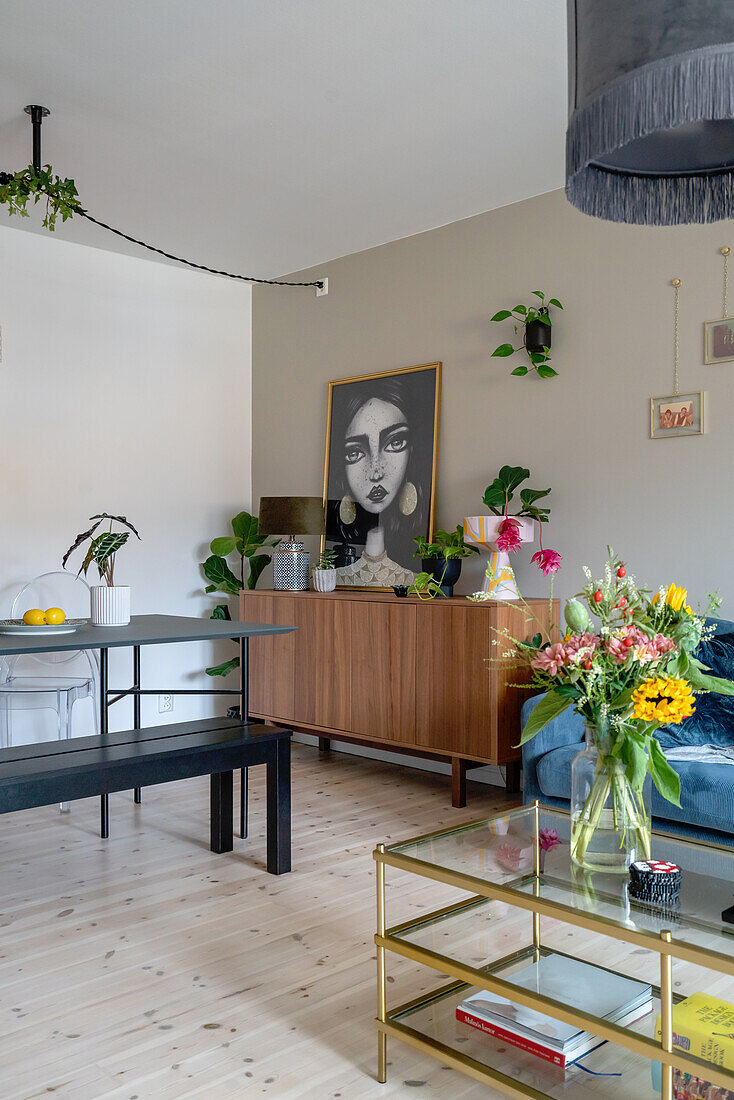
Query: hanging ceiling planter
x=651 y=129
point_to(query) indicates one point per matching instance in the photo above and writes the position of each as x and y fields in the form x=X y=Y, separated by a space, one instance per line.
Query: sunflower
x=665 y=700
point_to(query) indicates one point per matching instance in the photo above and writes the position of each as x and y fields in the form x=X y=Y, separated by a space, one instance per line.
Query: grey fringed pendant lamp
x=651 y=130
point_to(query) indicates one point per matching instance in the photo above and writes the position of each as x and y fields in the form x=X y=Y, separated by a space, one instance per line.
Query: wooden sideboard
x=400 y=674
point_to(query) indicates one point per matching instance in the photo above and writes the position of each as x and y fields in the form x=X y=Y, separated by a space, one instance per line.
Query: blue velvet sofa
x=707 y=789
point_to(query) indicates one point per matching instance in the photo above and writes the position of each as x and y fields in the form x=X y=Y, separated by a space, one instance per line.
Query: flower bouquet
x=626 y=674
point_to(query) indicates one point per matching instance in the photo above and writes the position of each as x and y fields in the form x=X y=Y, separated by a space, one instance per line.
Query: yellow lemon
x=34 y=617
x=55 y=616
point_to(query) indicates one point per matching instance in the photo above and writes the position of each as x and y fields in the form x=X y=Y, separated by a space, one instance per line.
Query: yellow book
x=704 y=1026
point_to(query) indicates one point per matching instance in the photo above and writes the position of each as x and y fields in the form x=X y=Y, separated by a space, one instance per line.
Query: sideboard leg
x=458 y=782
x=324 y=744
x=512 y=777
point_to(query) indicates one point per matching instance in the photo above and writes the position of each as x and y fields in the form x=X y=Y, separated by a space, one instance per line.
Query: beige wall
x=665 y=505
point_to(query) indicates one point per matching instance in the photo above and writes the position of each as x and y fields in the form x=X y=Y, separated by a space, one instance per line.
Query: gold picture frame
x=410 y=504
x=682 y=419
x=712 y=333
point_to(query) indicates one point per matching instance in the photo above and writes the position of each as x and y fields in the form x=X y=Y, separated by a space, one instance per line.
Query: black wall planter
x=537 y=336
x=436 y=566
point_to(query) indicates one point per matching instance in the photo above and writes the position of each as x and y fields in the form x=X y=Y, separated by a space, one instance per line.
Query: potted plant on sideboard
x=323 y=575
x=442 y=558
x=110 y=602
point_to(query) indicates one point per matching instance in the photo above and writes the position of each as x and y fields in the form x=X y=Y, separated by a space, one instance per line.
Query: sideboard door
x=272 y=659
x=303 y=677
x=383 y=670
x=454 y=710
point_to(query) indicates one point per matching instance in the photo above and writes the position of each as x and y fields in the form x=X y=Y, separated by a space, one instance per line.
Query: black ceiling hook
x=37 y=116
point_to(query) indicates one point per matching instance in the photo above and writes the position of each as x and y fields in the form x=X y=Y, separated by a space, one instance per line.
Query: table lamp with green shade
x=296 y=516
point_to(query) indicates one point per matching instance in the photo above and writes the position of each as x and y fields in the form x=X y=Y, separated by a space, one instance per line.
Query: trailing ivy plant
x=245 y=543
x=19 y=188
x=426 y=587
x=446 y=544
x=525 y=315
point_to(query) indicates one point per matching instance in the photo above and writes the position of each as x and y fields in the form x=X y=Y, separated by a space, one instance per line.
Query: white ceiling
x=269 y=135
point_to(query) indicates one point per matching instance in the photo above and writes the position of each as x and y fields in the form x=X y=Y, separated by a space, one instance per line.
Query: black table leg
x=244 y=778
x=279 y=808
x=244 y=715
x=221 y=809
x=136 y=704
x=104 y=806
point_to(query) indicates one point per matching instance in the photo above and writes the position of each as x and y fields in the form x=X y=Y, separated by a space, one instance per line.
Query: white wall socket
x=165 y=703
x=323 y=289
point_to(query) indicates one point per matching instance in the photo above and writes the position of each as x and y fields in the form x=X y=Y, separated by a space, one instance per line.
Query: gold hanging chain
x=725 y=253
x=676 y=287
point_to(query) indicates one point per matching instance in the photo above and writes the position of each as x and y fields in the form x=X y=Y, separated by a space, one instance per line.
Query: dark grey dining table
x=144 y=630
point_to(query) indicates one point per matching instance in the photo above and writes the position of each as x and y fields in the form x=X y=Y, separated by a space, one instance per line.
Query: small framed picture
x=680 y=414
x=718 y=340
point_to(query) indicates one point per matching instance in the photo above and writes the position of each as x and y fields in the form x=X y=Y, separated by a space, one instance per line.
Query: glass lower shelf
x=434 y=1022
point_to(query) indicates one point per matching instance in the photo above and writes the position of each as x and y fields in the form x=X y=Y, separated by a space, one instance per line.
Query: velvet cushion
x=713 y=720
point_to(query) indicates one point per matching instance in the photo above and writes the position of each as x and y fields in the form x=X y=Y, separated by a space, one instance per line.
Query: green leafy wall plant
x=19 y=188
x=523 y=316
x=246 y=544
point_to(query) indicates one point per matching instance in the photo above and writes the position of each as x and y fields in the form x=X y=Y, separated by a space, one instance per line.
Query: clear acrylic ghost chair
x=49 y=681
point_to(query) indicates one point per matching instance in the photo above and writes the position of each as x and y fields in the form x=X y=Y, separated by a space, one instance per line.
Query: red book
x=514 y=1040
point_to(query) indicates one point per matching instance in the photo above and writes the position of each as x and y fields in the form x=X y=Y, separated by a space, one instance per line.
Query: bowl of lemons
x=37 y=621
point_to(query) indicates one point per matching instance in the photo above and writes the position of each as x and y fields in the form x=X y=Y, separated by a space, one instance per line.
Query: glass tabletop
x=501 y=851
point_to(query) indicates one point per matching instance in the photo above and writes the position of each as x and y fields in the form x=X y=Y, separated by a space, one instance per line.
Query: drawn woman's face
x=376 y=452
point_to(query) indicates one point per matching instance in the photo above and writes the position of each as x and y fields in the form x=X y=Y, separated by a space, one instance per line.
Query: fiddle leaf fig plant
x=536 y=323
x=245 y=543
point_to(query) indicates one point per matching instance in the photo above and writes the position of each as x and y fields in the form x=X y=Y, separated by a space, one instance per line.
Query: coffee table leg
x=279 y=808
x=221 y=808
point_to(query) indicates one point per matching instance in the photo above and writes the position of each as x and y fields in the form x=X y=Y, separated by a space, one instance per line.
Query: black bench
x=61 y=771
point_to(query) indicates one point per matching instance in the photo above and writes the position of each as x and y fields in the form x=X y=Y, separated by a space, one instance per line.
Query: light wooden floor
x=146 y=968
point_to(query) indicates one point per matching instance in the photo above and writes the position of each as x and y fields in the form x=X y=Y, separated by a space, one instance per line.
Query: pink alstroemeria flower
x=509 y=536
x=548 y=561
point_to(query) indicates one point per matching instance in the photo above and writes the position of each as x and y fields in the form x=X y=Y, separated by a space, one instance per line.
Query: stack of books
x=576 y=984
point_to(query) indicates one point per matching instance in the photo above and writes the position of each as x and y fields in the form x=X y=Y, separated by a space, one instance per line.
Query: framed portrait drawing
x=380 y=473
x=680 y=414
x=718 y=344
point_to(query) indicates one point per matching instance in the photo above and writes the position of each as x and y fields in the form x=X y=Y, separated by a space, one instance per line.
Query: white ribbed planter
x=323 y=580
x=110 y=606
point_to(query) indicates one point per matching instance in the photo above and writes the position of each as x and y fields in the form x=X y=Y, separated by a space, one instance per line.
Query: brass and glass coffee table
x=514 y=885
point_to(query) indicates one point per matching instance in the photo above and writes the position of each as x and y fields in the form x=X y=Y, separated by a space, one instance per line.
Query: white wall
x=124 y=387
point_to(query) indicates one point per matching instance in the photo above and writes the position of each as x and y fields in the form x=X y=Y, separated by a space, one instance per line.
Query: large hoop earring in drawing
x=408 y=499
x=347 y=510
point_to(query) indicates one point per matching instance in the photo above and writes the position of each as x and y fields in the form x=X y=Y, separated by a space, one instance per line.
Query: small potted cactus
x=323 y=575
